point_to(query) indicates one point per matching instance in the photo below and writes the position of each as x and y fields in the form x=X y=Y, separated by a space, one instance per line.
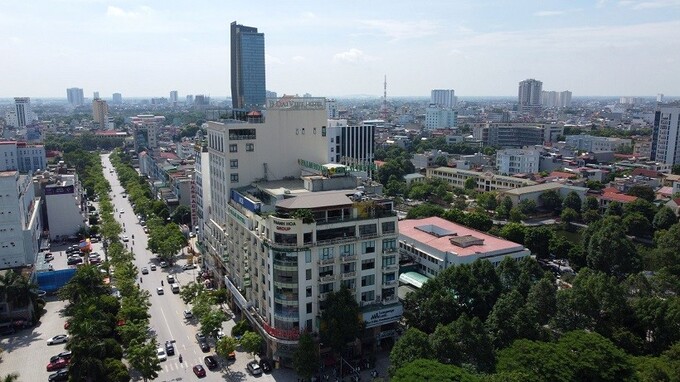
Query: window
x=326 y=271
x=368 y=280
x=250 y=147
x=309 y=307
x=368 y=229
x=233 y=148
x=368 y=246
x=388 y=227
x=367 y=264
x=308 y=257
x=389 y=277
x=368 y=296
x=233 y=163
x=233 y=177
x=327 y=253
x=308 y=274
x=346 y=250
x=389 y=244
x=387 y=261
x=308 y=291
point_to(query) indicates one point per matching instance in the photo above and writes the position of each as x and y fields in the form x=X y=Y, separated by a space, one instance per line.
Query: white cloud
x=352 y=56
x=269 y=59
x=117 y=12
x=548 y=13
x=653 y=4
x=298 y=59
x=400 y=30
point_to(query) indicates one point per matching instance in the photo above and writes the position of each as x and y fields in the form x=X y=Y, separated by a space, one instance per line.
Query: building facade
x=75 y=96
x=444 y=98
x=100 y=112
x=595 y=144
x=516 y=135
x=529 y=96
x=66 y=207
x=484 y=181
x=22 y=156
x=117 y=99
x=248 y=82
x=666 y=135
x=552 y=99
x=22 y=114
x=20 y=223
x=353 y=146
x=437 y=117
x=518 y=161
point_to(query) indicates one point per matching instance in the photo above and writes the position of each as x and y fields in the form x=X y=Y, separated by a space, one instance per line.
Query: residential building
x=331 y=108
x=529 y=96
x=484 y=181
x=100 y=113
x=281 y=267
x=189 y=99
x=437 y=117
x=21 y=115
x=117 y=99
x=594 y=144
x=173 y=96
x=516 y=135
x=666 y=135
x=534 y=192
x=75 y=96
x=435 y=244
x=146 y=129
x=353 y=146
x=443 y=98
x=553 y=99
x=201 y=198
x=517 y=161
x=95 y=95
x=248 y=83
x=20 y=223
x=66 y=207
x=428 y=159
x=22 y=156
x=610 y=195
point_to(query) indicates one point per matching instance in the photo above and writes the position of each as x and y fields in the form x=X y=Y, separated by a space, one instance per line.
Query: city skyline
x=591 y=48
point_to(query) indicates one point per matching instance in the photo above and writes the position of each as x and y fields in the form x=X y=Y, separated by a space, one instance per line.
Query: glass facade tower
x=248 y=89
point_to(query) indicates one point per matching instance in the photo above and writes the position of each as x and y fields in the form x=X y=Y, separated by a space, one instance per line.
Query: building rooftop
x=446 y=236
x=618 y=197
x=645 y=172
x=542 y=187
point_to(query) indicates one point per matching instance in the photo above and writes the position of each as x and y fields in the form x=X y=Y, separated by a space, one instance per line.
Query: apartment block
x=484 y=181
x=20 y=222
x=516 y=135
x=517 y=161
x=596 y=144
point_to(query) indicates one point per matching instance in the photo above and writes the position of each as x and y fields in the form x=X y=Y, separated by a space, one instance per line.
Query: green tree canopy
x=412 y=345
x=340 y=322
x=429 y=370
x=306 y=357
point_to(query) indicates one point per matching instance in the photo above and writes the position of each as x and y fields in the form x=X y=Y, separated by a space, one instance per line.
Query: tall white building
x=437 y=117
x=594 y=144
x=22 y=157
x=173 y=96
x=444 y=98
x=20 y=224
x=666 y=135
x=353 y=146
x=517 y=161
x=332 y=108
x=551 y=99
x=66 y=207
x=75 y=96
x=117 y=99
x=21 y=114
x=529 y=96
x=95 y=95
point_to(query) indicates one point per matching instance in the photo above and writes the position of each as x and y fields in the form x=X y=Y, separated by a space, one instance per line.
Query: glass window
x=308 y=291
x=388 y=227
x=309 y=307
x=368 y=246
x=308 y=274
x=233 y=163
x=250 y=147
x=389 y=244
x=233 y=148
x=233 y=177
x=368 y=280
x=326 y=253
x=367 y=264
x=308 y=257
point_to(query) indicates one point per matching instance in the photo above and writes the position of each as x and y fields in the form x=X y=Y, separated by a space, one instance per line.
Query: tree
x=642 y=206
x=142 y=357
x=514 y=232
x=429 y=370
x=412 y=345
x=537 y=361
x=636 y=224
x=542 y=299
x=573 y=201
x=516 y=215
x=507 y=320
x=550 y=201
x=225 y=346
x=212 y=322
x=189 y=292
x=252 y=342
x=488 y=200
x=478 y=221
x=424 y=210
x=538 y=241
x=464 y=342
x=664 y=218
x=340 y=320
x=116 y=371
x=594 y=358
x=527 y=206
x=667 y=253
x=306 y=357
x=642 y=191
x=181 y=215
x=610 y=251
x=568 y=216
x=591 y=204
x=441 y=161
x=614 y=209
x=470 y=184
x=13 y=377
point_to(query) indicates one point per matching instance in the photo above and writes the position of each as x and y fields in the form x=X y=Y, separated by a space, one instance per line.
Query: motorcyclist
x=180 y=358
x=140 y=280
x=161 y=282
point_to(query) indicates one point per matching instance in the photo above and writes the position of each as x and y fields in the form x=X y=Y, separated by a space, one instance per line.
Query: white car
x=160 y=353
x=160 y=290
x=188 y=266
x=125 y=238
x=121 y=211
x=58 y=339
x=152 y=267
x=188 y=314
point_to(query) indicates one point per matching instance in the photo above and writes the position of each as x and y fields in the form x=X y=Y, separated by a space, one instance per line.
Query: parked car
x=205 y=347
x=254 y=368
x=210 y=362
x=200 y=337
x=199 y=371
x=169 y=348
x=145 y=271
x=49 y=257
x=163 y=264
x=171 y=279
x=74 y=260
x=59 y=376
x=58 y=339
x=64 y=355
x=160 y=353
x=265 y=365
x=125 y=238
x=188 y=266
x=58 y=364
x=187 y=314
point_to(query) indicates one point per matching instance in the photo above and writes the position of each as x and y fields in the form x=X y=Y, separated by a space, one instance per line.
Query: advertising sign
x=383 y=316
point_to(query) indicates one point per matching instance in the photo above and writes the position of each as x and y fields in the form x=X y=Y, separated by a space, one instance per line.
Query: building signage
x=383 y=316
x=245 y=202
x=306 y=103
x=239 y=217
x=59 y=190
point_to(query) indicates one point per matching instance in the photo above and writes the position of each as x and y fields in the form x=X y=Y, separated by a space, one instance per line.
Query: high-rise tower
x=75 y=96
x=248 y=85
x=529 y=96
x=666 y=134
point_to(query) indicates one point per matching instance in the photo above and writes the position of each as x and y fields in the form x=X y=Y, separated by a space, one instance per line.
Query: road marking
x=166 y=323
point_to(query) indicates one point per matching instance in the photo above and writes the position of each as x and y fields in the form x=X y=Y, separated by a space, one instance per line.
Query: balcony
x=389 y=249
x=285 y=284
x=390 y=282
x=285 y=265
x=326 y=261
x=390 y=300
x=390 y=267
x=286 y=299
x=323 y=296
x=349 y=258
x=347 y=239
x=327 y=278
x=348 y=275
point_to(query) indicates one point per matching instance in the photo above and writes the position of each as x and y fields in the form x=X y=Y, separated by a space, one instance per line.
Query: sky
x=342 y=48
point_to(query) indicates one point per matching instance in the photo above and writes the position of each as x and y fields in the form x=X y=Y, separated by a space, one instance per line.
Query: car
x=145 y=271
x=191 y=234
x=59 y=376
x=200 y=337
x=125 y=238
x=205 y=347
x=58 y=339
x=74 y=260
x=187 y=314
x=210 y=362
x=64 y=355
x=220 y=335
x=169 y=348
x=58 y=364
x=49 y=257
x=199 y=371
x=171 y=279
x=121 y=211
x=160 y=353
x=152 y=267
x=254 y=368
x=160 y=290
x=163 y=264
x=146 y=230
x=188 y=266
x=265 y=365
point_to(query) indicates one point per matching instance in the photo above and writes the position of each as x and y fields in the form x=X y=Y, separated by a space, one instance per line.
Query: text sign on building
x=239 y=217
x=284 y=225
x=59 y=190
x=383 y=316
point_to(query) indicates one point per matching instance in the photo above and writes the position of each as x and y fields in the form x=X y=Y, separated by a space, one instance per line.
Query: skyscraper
x=529 y=96
x=117 y=99
x=95 y=95
x=248 y=85
x=24 y=114
x=666 y=135
x=173 y=96
x=445 y=98
x=75 y=96
x=100 y=111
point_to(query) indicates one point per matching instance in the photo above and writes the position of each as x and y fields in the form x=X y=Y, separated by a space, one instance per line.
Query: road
x=166 y=310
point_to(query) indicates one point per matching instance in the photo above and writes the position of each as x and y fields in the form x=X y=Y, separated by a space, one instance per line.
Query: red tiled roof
x=166 y=155
x=665 y=191
x=562 y=174
x=611 y=190
x=616 y=197
x=645 y=172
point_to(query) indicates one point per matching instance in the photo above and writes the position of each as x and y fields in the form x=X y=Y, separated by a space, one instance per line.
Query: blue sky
x=333 y=48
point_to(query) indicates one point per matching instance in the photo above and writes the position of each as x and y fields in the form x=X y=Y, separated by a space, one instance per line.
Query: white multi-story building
x=516 y=135
x=20 y=223
x=351 y=145
x=173 y=96
x=146 y=129
x=66 y=207
x=332 y=108
x=117 y=99
x=75 y=96
x=21 y=156
x=529 y=96
x=666 y=135
x=21 y=114
x=556 y=99
x=593 y=144
x=517 y=161
x=484 y=181
x=440 y=118
x=444 y=98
